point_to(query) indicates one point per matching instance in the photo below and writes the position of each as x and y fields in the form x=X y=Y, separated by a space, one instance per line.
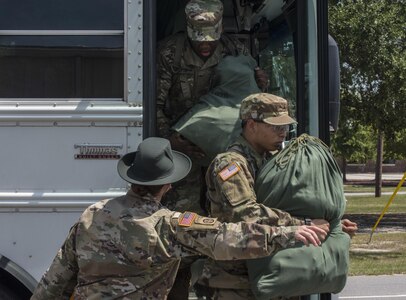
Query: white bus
x=77 y=91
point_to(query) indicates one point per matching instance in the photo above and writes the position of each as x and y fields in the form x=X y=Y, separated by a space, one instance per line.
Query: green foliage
x=353 y=141
x=396 y=147
x=371 y=35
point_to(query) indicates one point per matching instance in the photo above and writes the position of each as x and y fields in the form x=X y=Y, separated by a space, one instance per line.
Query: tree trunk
x=344 y=170
x=378 y=165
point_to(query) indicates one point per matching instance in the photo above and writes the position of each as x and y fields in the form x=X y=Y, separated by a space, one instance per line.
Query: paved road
x=397 y=177
x=349 y=194
x=371 y=176
x=386 y=287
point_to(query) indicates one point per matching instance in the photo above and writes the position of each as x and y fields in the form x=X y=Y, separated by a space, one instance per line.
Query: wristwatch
x=308 y=221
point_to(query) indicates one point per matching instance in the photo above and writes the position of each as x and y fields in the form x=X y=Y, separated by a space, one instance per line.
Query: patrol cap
x=266 y=107
x=204 y=20
x=154 y=163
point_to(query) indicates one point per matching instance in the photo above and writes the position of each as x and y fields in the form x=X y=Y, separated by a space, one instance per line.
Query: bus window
x=62 y=49
x=278 y=60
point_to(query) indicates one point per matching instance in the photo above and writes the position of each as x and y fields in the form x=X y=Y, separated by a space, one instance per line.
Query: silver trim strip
x=54 y=200
x=61 y=32
x=26 y=112
x=47 y=100
x=70 y=118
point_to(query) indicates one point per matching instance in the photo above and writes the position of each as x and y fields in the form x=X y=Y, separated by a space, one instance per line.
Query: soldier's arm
x=60 y=279
x=229 y=241
x=232 y=198
x=164 y=83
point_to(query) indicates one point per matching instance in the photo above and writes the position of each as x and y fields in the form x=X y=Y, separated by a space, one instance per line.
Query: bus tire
x=7 y=294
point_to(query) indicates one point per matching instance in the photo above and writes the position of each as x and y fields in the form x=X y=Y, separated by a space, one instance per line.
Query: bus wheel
x=7 y=294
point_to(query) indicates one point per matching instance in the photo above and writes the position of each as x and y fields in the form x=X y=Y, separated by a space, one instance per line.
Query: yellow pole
x=387 y=205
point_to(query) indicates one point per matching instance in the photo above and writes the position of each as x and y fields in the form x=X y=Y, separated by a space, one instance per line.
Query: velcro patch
x=206 y=221
x=187 y=219
x=229 y=171
x=176 y=215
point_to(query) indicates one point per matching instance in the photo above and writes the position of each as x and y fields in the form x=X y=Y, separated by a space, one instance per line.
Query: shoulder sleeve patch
x=229 y=171
x=187 y=219
x=205 y=221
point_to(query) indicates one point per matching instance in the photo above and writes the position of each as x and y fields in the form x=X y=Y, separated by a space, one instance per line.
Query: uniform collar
x=243 y=144
x=148 y=202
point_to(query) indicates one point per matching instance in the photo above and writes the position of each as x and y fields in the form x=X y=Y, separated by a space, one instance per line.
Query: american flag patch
x=187 y=219
x=229 y=171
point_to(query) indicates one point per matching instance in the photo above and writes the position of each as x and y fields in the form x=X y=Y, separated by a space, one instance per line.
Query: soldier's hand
x=349 y=227
x=179 y=143
x=262 y=79
x=321 y=223
x=311 y=234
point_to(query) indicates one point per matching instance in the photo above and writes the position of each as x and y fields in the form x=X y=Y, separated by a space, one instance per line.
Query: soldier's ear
x=251 y=125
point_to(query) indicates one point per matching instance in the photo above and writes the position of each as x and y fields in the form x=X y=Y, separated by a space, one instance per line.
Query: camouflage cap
x=204 y=20
x=265 y=107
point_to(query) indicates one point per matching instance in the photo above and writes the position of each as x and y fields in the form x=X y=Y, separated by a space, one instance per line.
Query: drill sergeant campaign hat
x=267 y=108
x=154 y=163
x=204 y=20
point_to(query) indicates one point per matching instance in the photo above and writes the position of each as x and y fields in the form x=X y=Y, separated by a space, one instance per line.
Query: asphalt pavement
x=394 y=177
x=371 y=176
x=384 y=287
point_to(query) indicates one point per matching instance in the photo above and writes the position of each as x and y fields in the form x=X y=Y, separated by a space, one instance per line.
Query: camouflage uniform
x=183 y=77
x=130 y=247
x=231 y=198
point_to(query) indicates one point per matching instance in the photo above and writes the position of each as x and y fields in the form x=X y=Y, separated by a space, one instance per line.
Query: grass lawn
x=371 y=204
x=385 y=255
x=370 y=188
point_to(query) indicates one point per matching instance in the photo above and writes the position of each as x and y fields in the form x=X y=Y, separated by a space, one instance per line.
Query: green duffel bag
x=213 y=122
x=304 y=180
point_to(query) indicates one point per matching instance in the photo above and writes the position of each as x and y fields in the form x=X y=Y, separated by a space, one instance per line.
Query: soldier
x=130 y=247
x=230 y=182
x=186 y=64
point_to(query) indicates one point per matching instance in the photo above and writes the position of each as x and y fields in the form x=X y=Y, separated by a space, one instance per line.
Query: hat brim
x=281 y=120
x=182 y=165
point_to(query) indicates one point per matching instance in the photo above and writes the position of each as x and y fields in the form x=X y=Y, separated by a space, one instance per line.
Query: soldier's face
x=269 y=137
x=204 y=49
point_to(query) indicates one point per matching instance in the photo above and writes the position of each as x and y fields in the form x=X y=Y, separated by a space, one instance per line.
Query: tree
x=371 y=38
x=352 y=142
x=396 y=147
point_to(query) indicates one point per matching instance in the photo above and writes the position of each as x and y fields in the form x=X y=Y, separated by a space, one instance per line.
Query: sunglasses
x=276 y=128
x=280 y=128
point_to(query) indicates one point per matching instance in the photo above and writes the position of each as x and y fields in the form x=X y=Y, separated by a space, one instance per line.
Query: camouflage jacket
x=183 y=77
x=231 y=198
x=130 y=247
